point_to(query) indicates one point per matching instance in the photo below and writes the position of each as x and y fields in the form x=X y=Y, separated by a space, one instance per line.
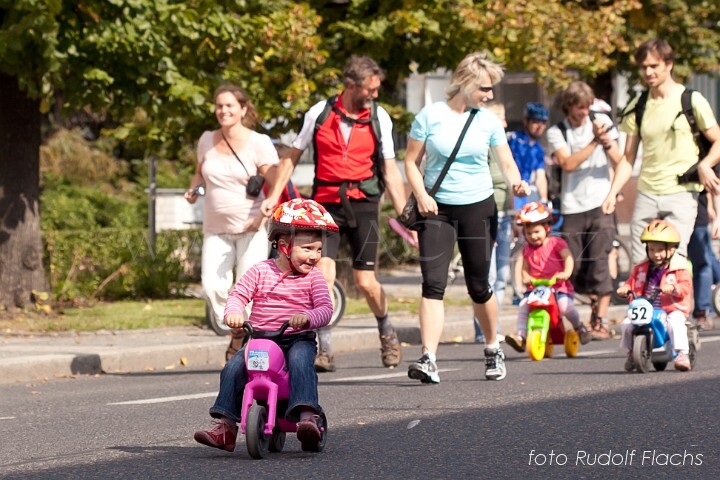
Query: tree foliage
x=143 y=71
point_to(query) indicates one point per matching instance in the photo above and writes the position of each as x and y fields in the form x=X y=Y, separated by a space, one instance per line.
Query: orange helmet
x=660 y=231
x=300 y=214
x=532 y=213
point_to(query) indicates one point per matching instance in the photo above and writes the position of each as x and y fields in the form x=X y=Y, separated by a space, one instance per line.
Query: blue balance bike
x=650 y=339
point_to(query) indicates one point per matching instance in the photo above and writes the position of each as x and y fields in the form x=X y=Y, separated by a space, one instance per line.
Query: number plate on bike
x=540 y=294
x=258 y=360
x=640 y=312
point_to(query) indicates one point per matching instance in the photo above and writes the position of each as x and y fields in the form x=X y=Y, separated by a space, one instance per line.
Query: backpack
x=374 y=124
x=686 y=108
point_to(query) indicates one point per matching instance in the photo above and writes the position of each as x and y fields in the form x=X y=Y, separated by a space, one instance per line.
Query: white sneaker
x=424 y=370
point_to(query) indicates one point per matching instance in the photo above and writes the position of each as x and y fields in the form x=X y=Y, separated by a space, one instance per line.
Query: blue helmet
x=536 y=111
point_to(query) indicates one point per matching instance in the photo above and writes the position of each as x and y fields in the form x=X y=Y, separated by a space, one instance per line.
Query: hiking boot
x=682 y=362
x=308 y=434
x=494 y=364
x=517 y=342
x=222 y=435
x=585 y=335
x=629 y=362
x=704 y=322
x=390 y=350
x=324 y=362
x=424 y=370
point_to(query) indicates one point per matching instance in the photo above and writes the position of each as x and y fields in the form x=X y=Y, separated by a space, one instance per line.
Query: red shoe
x=222 y=435
x=308 y=434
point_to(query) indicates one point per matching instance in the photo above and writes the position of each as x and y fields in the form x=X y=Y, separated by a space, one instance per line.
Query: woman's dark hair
x=251 y=117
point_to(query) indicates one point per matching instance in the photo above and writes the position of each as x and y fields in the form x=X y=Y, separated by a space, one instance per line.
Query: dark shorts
x=364 y=239
x=589 y=236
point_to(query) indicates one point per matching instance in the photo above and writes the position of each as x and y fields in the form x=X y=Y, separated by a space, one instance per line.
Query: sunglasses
x=485 y=89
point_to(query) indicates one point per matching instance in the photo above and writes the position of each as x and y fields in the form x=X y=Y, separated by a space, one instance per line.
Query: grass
x=128 y=315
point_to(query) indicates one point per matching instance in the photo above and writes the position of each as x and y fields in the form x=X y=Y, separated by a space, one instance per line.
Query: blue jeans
x=703 y=264
x=499 y=267
x=300 y=351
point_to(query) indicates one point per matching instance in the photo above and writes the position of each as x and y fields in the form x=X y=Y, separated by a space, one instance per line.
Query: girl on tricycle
x=544 y=257
x=289 y=290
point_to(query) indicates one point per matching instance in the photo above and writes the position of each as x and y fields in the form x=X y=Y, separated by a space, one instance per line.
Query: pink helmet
x=532 y=213
x=300 y=214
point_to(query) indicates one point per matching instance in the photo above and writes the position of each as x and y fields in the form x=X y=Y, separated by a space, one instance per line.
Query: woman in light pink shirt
x=234 y=237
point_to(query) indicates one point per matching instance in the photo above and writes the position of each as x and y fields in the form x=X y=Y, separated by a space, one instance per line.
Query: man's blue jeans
x=704 y=264
x=300 y=351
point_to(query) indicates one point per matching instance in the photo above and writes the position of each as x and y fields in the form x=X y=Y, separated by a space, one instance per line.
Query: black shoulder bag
x=410 y=217
x=255 y=182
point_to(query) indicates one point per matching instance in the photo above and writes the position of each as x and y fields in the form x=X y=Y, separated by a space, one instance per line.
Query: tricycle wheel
x=660 y=366
x=641 y=355
x=535 y=346
x=258 y=444
x=323 y=426
x=692 y=355
x=572 y=343
x=549 y=349
x=277 y=441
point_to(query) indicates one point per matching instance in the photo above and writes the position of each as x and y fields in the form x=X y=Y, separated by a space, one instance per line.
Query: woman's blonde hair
x=251 y=116
x=470 y=73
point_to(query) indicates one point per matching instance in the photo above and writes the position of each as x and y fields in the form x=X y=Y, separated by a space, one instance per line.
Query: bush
x=113 y=264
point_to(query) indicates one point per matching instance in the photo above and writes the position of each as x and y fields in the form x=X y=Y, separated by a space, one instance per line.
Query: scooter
x=266 y=394
x=650 y=338
x=545 y=328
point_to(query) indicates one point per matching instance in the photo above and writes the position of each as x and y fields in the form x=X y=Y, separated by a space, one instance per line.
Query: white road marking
x=166 y=399
x=6 y=418
x=380 y=377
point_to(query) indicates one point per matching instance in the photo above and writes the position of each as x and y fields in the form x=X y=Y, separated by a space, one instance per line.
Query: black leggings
x=474 y=227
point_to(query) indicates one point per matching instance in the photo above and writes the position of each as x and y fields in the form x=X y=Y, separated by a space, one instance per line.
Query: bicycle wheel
x=338 y=294
x=218 y=325
x=620 y=266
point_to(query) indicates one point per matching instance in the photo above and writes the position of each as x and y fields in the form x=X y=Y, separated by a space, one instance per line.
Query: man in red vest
x=355 y=163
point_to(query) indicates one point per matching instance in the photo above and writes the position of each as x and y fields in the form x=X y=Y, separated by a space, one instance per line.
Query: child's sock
x=325 y=340
x=431 y=356
x=494 y=346
x=384 y=326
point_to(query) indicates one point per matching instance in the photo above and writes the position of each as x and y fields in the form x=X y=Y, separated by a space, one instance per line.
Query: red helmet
x=300 y=214
x=532 y=213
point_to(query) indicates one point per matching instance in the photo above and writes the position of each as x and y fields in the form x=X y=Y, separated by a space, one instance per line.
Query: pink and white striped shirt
x=276 y=297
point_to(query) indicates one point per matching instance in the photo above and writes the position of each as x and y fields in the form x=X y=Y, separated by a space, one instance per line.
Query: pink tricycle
x=268 y=387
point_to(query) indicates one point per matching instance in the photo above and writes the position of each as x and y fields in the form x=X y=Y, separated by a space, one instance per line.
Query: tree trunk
x=21 y=254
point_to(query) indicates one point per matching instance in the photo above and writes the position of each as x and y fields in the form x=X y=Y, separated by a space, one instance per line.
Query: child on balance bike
x=667 y=272
x=545 y=256
x=282 y=289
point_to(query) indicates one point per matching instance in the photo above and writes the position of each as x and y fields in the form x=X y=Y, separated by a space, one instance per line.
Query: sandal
x=237 y=341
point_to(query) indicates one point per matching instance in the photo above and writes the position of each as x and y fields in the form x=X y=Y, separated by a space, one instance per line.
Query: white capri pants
x=221 y=253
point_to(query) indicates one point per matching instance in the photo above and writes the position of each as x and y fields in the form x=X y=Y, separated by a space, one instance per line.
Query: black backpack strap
x=378 y=159
x=563 y=129
x=638 y=109
x=702 y=142
x=325 y=113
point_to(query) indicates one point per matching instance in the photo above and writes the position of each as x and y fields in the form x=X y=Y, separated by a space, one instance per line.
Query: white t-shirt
x=586 y=187
x=305 y=137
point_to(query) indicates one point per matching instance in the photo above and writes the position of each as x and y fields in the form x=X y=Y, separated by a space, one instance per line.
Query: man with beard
x=354 y=158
